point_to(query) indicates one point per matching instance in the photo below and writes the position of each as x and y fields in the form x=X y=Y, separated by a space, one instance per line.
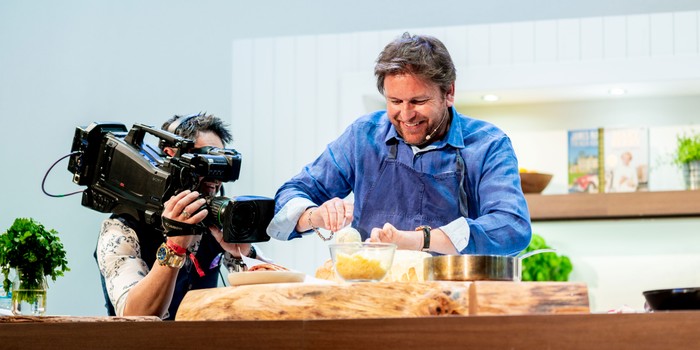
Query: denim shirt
x=498 y=221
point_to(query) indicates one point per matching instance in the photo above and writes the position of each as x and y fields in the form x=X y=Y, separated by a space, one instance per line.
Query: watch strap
x=426 y=237
x=178 y=249
x=167 y=257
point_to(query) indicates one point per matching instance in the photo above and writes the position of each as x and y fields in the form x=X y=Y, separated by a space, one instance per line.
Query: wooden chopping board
x=302 y=301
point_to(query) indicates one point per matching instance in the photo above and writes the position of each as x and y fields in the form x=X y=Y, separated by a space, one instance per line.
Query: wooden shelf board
x=586 y=206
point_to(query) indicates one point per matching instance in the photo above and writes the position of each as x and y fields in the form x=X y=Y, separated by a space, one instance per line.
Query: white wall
x=68 y=63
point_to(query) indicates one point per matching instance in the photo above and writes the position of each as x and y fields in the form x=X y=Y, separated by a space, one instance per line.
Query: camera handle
x=138 y=131
x=177 y=228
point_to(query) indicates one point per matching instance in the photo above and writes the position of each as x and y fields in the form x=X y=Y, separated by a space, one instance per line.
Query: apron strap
x=393 y=149
x=461 y=169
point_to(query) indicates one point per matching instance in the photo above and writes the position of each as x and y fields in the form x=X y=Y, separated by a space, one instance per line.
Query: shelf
x=585 y=206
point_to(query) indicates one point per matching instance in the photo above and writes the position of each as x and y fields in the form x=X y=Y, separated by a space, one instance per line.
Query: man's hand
x=403 y=239
x=235 y=249
x=181 y=207
x=333 y=215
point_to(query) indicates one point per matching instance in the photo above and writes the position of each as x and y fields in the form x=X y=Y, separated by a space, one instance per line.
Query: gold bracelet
x=316 y=228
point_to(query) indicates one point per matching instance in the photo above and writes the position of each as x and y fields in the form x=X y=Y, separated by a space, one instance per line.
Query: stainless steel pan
x=476 y=267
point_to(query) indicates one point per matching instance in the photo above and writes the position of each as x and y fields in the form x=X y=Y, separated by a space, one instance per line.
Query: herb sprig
x=28 y=247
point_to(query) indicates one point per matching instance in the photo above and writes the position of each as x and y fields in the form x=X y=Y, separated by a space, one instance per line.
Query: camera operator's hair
x=421 y=55
x=191 y=125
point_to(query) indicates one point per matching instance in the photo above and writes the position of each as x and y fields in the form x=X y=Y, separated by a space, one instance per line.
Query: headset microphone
x=429 y=136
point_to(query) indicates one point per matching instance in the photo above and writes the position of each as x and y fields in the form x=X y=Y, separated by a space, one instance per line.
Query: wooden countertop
x=65 y=319
x=663 y=330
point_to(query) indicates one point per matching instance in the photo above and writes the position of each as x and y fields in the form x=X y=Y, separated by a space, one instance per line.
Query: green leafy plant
x=28 y=247
x=687 y=148
x=545 y=266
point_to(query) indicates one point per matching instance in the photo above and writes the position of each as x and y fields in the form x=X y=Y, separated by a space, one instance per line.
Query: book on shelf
x=584 y=163
x=626 y=159
x=608 y=160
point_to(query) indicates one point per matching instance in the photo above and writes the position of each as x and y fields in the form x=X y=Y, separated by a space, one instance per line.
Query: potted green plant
x=34 y=253
x=545 y=266
x=688 y=158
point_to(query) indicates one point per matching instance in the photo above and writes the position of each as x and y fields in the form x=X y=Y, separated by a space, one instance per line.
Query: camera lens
x=242 y=221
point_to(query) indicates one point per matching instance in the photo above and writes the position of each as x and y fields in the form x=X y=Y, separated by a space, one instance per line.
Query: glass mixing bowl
x=362 y=262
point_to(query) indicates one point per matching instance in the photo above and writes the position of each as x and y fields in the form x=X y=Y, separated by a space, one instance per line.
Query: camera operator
x=144 y=272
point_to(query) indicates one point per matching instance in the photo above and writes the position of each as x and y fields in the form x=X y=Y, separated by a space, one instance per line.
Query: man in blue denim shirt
x=423 y=176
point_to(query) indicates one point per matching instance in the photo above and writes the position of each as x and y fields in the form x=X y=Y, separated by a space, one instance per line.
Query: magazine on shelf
x=626 y=159
x=584 y=164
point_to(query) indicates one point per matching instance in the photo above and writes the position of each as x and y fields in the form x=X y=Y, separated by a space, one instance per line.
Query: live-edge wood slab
x=300 y=301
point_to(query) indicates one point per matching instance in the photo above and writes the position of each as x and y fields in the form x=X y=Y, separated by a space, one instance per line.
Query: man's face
x=626 y=158
x=208 y=187
x=416 y=107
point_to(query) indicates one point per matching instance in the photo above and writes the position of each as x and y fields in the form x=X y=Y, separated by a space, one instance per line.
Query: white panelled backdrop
x=293 y=95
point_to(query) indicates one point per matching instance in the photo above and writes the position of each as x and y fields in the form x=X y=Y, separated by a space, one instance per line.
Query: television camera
x=125 y=175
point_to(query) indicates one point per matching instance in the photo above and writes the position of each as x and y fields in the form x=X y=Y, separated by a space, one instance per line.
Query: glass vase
x=691 y=175
x=28 y=295
x=5 y=299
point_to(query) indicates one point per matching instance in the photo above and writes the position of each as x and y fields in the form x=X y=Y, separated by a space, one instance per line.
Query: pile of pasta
x=406 y=267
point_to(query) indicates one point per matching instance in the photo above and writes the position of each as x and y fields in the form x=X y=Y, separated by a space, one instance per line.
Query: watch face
x=162 y=253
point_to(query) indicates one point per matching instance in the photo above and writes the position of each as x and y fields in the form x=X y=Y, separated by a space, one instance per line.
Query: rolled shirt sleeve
x=283 y=225
x=458 y=232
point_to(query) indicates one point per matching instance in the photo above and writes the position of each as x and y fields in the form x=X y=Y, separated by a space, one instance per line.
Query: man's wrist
x=168 y=256
x=425 y=230
x=178 y=249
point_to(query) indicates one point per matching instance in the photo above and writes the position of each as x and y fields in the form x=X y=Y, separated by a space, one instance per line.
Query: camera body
x=124 y=175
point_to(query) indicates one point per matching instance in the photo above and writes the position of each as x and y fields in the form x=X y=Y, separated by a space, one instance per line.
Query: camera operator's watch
x=168 y=257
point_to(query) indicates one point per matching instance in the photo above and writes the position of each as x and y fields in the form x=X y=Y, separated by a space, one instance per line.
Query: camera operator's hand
x=181 y=207
x=235 y=249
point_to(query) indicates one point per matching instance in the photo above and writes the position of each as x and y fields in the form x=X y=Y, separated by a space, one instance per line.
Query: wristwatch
x=168 y=257
x=426 y=237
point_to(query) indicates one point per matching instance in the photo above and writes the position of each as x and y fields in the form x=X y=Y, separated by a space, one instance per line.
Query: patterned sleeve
x=119 y=260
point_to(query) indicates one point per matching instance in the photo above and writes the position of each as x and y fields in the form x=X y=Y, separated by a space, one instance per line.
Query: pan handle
x=537 y=251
